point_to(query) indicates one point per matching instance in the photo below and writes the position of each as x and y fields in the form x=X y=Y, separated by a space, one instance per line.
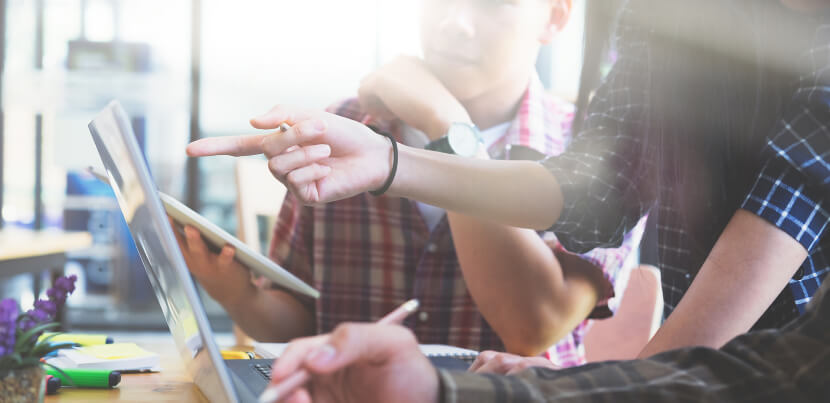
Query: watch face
x=463 y=139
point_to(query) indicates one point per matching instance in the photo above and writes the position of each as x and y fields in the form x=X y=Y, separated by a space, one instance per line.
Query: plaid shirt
x=369 y=254
x=779 y=365
x=608 y=170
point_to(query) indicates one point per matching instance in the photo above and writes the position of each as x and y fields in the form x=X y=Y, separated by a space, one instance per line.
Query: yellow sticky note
x=114 y=351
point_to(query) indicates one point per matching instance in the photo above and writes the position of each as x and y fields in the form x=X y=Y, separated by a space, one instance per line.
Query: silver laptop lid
x=137 y=196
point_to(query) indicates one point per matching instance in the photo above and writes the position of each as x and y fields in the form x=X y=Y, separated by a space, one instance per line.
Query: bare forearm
x=271 y=315
x=484 y=189
x=748 y=267
x=535 y=302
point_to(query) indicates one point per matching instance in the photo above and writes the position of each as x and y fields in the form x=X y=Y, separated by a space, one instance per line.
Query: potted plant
x=22 y=377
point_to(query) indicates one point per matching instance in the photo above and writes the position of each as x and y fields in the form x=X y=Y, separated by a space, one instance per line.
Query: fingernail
x=321 y=151
x=322 y=356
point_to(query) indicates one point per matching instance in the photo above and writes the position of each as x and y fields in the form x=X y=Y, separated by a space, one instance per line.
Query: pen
x=79 y=338
x=299 y=378
x=86 y=378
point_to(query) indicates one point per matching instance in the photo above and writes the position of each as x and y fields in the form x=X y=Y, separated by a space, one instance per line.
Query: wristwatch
x=461 y=139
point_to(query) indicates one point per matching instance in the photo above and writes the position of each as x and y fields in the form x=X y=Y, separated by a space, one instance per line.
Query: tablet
x=217 y=238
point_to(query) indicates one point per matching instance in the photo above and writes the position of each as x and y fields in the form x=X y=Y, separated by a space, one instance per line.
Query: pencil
x=301 y=377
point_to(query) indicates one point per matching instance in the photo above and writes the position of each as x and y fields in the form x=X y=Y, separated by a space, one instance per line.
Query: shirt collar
x=541 y=122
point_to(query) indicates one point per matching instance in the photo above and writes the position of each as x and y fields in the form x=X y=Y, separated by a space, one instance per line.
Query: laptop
x=219 y=380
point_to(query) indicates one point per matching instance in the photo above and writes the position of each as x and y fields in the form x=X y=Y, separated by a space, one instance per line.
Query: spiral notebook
x=274 y=350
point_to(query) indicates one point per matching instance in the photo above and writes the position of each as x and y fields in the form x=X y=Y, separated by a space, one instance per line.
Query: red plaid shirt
x=367 y=255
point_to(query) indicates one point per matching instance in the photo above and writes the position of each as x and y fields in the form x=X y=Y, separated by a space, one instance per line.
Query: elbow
x=544 y=328
x=537 y=336
x=526 y=347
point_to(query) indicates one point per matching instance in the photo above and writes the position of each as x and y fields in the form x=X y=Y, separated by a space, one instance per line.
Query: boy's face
x=475 y=45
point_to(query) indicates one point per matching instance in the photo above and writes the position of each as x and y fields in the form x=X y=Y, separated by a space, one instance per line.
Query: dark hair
x=719 y=73
x=717 y=88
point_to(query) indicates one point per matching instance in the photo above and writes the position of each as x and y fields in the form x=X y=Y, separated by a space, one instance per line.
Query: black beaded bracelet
x=394 y=170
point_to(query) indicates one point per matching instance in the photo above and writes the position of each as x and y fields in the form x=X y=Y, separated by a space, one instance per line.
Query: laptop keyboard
x=264 y=370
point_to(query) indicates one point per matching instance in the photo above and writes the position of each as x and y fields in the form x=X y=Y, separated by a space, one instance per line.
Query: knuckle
x=486 y=355
x=344 y=332
x=276 y=167
x=294 y=178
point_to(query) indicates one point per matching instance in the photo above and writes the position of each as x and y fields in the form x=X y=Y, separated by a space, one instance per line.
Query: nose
x=458 y=19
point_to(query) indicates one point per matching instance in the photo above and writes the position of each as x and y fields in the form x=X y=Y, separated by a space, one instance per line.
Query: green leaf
x=41 y=349
x=27 y=337
x=49 y=337
x=60 y=371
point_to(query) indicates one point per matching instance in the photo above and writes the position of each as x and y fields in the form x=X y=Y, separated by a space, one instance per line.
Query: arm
x=553 y=295
x=324 y=158
x=266 y=315
x=271 y=315
x=749 y=265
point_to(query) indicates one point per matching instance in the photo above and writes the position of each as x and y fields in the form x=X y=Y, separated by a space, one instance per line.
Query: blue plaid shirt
x=612 y=175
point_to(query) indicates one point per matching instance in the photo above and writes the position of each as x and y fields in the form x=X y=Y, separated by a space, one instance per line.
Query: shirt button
x=432 y=248
x=687 y=275
x=423 y=316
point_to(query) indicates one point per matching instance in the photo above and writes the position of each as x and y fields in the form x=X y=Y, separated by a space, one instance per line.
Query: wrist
x=382 y=183
x=407 y=156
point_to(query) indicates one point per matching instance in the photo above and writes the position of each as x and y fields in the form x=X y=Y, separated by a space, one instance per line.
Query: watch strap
x=441 y=145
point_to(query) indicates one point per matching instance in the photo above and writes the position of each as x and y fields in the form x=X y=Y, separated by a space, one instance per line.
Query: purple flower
x=8 y=319
x=8 y=310
x=63 y=287
x=45 y=310
x=56 y=294
x=46 y=306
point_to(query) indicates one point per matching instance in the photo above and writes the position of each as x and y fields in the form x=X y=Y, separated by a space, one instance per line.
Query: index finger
x=236 y=146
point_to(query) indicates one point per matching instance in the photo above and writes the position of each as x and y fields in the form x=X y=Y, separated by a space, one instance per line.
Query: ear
x=560 y=13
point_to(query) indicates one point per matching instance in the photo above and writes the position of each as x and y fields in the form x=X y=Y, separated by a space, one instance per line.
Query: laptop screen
x=139 y=202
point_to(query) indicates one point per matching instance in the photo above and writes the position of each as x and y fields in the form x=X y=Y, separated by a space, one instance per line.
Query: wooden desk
x=26 y=251
x=172 y=384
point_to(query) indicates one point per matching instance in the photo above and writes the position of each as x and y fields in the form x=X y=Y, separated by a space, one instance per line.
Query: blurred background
x=183 y=69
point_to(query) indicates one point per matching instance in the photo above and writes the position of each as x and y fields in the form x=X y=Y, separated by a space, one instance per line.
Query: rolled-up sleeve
x=791 y=188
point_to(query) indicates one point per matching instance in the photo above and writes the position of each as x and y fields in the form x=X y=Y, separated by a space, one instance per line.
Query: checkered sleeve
x=291 y=246
x=293 y=243
x=466 y=387
x=602 y=175
x=791 y=189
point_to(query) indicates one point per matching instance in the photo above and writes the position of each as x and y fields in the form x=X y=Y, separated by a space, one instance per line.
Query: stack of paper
x=114 y=357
